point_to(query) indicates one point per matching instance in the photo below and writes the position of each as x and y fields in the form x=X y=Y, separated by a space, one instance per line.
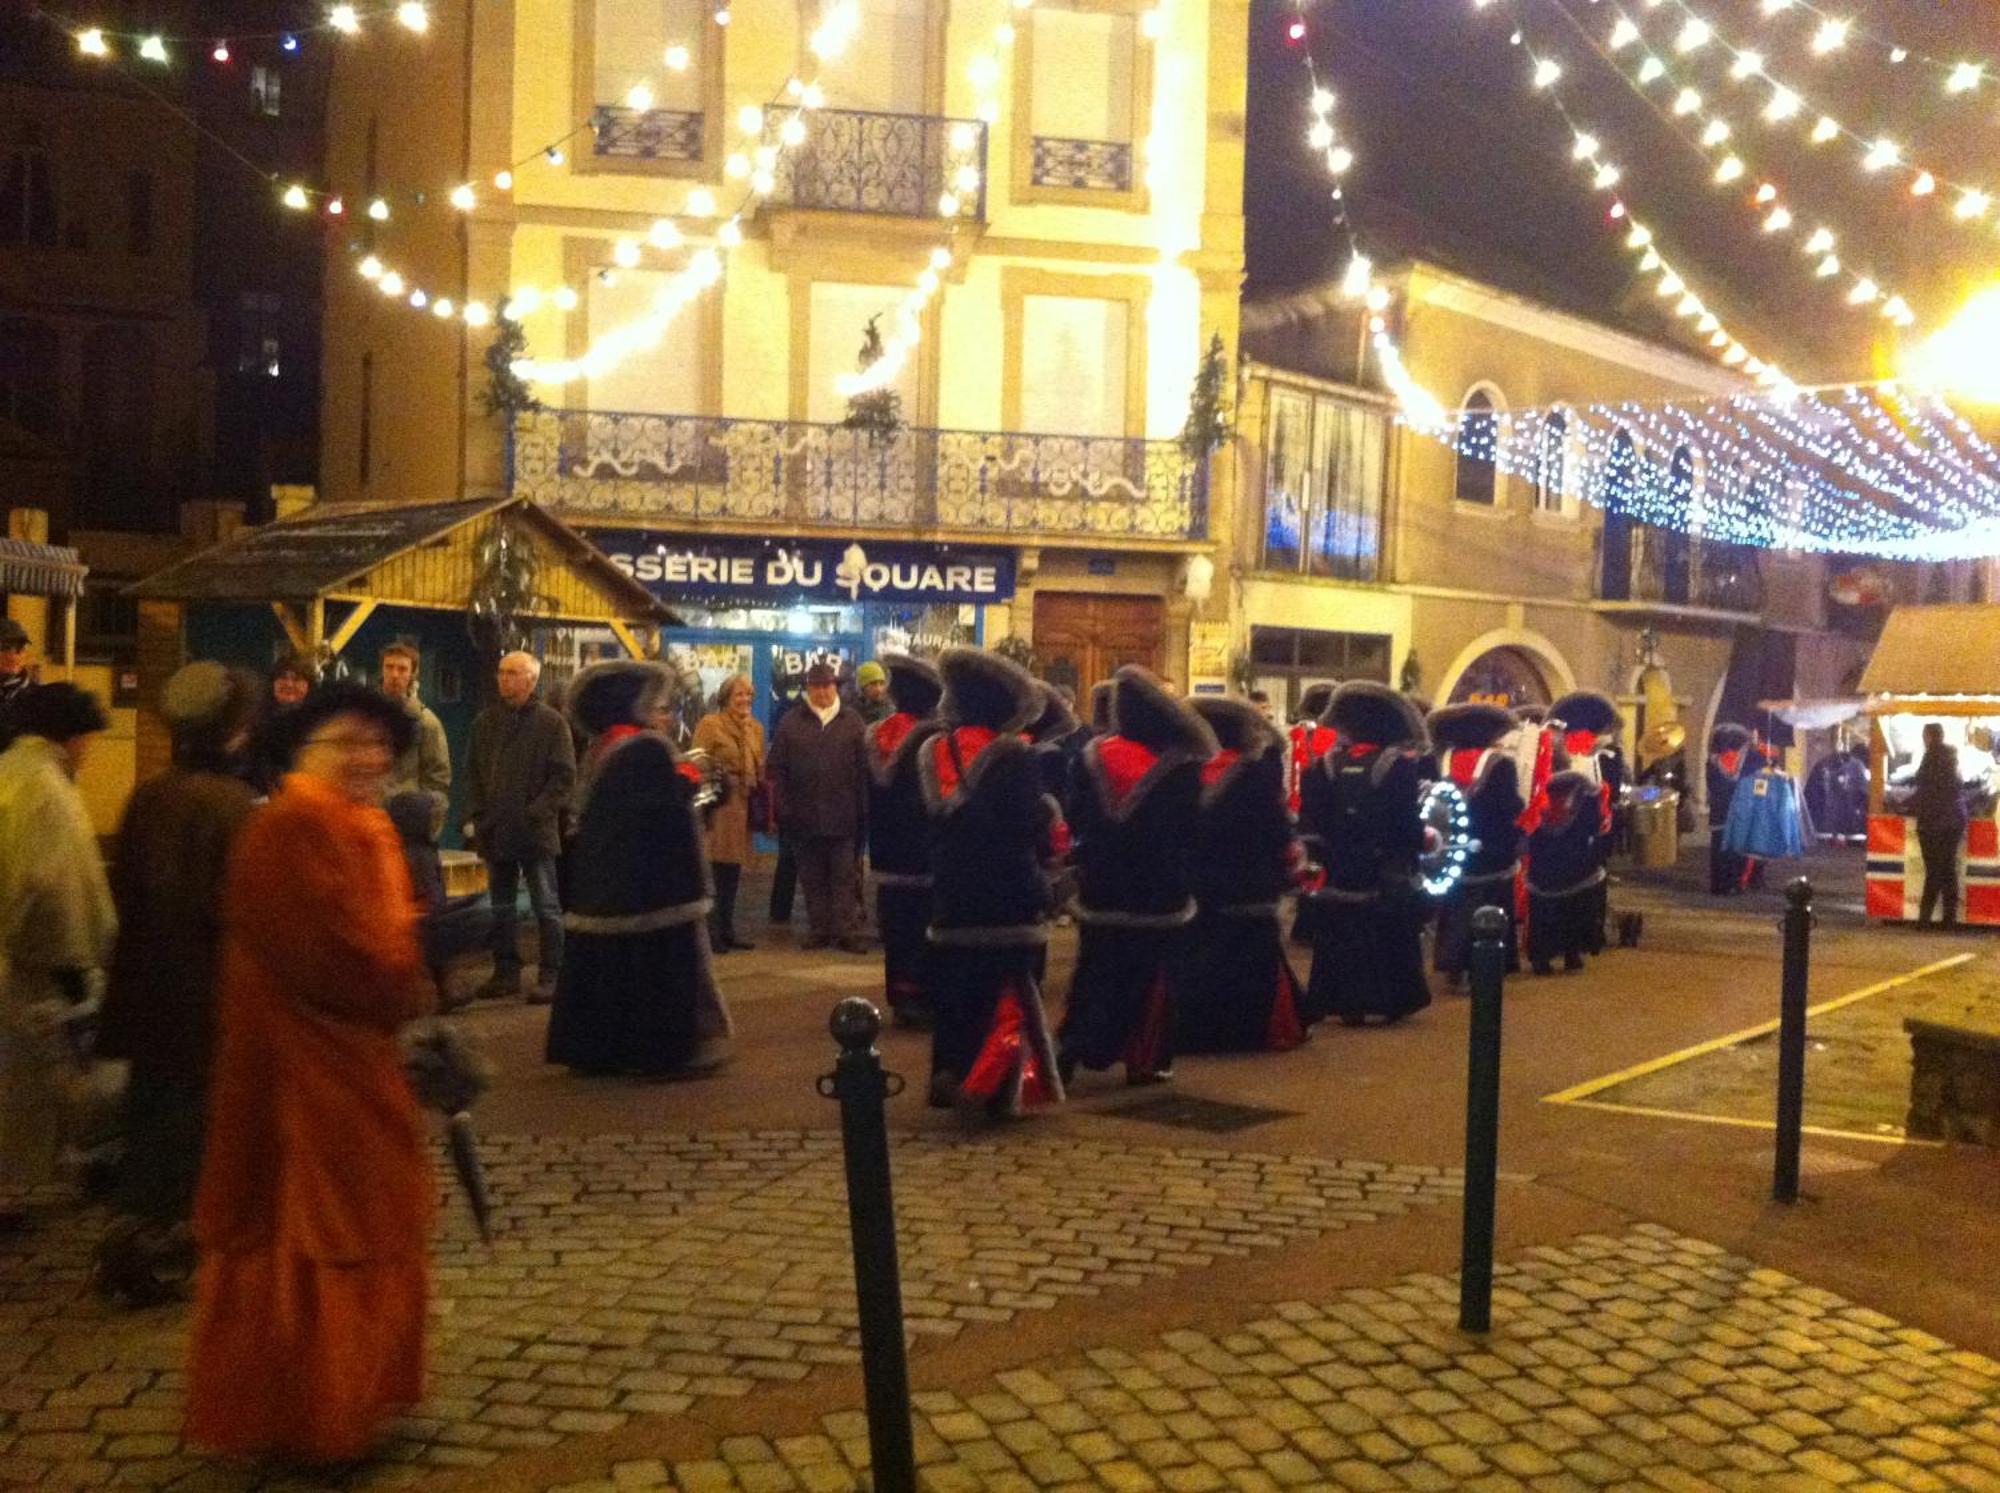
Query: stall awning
x=31 y=569
x=417 y=554
x=1942 y=650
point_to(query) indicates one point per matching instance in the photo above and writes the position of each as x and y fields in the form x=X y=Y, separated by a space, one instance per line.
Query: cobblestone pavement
x=1644 y=1361
x=634 y=1275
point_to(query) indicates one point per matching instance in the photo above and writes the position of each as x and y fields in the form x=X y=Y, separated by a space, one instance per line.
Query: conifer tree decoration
x=507 y=393
x=1208 y=421
x=878 y=412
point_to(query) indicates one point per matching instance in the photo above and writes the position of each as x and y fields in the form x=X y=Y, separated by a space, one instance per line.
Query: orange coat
x=316 y=1196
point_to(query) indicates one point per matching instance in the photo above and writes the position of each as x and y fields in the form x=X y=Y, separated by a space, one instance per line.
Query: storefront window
x=1323 y=475
x=1287 y=661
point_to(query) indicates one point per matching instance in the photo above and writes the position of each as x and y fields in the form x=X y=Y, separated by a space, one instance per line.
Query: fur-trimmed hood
x=1364 y=711
x=1100 y=705
x=1143 y=711
x=622 y=692
x=1729 y=737
x=1055 y=719
x=1458 y=727
x=915 y=686
x=1313 y=703
x=984 y=689
x=1238 y=725
x=1587 y=710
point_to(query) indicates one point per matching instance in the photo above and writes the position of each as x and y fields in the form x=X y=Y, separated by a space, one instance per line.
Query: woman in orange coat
x=314 y=1209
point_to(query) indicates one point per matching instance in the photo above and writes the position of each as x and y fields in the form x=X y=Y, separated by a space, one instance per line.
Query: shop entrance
x=1082 y=638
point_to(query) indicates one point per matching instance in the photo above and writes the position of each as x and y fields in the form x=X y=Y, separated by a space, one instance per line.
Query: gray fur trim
x=1593 y=879
x=1360 y=699
x=1008 y=936
x=1112 y=918
x=651 y=680
x=675 y=915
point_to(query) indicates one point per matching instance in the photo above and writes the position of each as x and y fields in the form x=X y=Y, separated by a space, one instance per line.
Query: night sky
x=1460 y=160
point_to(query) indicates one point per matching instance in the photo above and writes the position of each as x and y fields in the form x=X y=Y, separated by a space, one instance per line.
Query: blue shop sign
x=787 y=570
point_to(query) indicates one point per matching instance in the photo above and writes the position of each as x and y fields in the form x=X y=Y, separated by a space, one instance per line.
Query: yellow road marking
x=1741 y=1123
x=1713 y=1044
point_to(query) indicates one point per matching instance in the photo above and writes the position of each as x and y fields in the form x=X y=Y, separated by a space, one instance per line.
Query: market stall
x=1934 y=664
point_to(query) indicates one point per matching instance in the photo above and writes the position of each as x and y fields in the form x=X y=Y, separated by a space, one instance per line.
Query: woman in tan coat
x=734 y=738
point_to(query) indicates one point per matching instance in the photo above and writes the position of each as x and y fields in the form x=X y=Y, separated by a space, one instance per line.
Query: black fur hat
x=1313 y=703
x=1056 y=718
x=1143 y=711
x=57 y=712
x=1238 y=725
x=915 y=687
x=1362 y=710
x=984 y=689
x=1567 y=784
x=1470 y=727
x=622 y=692
x=1586 y=710
x=347 y=697
x=1100 y=705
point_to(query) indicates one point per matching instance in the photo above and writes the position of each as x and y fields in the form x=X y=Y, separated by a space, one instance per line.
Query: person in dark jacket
x=1237 y=992
x=819 y=781
x=1565 y=875
x=159 y=1006
x=1134 y=817
x=637 y=992
x=520 y=767
x=1469 y=754
x=1590 y=724
x=1937 y=803
x=1360 y=804
x=994 y=832
x=899 y=835
x=269 y=755
x=449 y=927
x=1730 y=760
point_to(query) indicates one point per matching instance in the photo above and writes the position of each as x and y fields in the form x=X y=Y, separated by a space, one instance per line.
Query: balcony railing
x=1675 y=569
x=646 y=134
x=898 y=165
x=1086 y=165
x=587 y=463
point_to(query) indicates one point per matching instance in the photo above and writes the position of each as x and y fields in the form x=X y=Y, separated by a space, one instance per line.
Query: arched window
x=1552 y=463
x=28 y=208
x=1676 y=551
x=1478 y=479
x=1617 y=493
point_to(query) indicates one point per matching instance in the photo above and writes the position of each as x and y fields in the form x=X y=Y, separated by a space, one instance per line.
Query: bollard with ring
x=1482 y=1120
x=862 y=1086
x=1797 y=926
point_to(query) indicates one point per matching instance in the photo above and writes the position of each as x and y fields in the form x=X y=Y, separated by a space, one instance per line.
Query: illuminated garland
x=1786 y=101
x=1713 y=133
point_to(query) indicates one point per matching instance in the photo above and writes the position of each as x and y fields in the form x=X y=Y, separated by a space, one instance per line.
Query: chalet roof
x=1940 y=650
x=336 y=548
x=40 y=569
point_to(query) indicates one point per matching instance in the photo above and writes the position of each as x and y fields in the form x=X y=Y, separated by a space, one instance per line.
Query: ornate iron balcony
x=1091 y=165
x=662 y=468
x=647 y=135
x=894 y=164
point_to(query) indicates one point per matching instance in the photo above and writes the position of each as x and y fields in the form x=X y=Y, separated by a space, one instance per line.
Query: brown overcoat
x=739 y=747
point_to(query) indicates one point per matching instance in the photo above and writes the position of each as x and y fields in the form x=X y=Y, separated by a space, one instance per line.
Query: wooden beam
x=294 y=633
x=344 y=634
x=69 y=635
x=316 y=623
x=626 y=637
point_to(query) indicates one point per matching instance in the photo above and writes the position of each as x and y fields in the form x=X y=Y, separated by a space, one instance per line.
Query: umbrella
x=448 y=1074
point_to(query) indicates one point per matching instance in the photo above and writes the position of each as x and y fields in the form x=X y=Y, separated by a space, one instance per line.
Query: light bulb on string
x=413 y=16
x=378 y=209
x=1827 y=128
x=345 y=19
x=441 y=308
x=464 y=198
x=1715 y=132
x=476 y=314
x=503 y=181
x=219 y=52
x=1687 y=101
x=295 y=198
x=1746 y=65
x=554 y=155
x=1882 y=154
x=1972 y=204
x=91 y=43
x=335 y=206
x=639 y=98
x=677 y=58
x=1831 y=36
x=1964 y=77
x=153 y=49
x=1651 y=70
x=1924 y=185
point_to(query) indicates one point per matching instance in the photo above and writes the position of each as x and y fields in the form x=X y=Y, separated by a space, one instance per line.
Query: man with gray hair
x=520 y=766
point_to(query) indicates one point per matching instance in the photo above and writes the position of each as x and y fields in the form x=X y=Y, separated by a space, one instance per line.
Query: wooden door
x=1083 y=638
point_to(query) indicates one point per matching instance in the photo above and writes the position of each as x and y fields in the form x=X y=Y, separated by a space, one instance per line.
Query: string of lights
x=1640 y=237
x=1710 y=132
x=163 y=48
x=1958 y=77
x=1785 y=102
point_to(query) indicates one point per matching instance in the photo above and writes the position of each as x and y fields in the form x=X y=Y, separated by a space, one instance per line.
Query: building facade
x=1365 y=549
x=1077 y=162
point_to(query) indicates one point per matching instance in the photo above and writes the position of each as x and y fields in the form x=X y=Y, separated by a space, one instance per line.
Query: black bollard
x=1482 y=1120
x=1792 y=1039
x=861 y=1086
